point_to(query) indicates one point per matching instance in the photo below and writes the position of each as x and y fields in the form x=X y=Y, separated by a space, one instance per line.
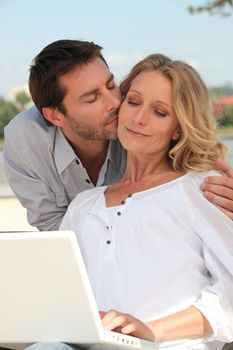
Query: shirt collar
x=117 y=156
x=63 y=152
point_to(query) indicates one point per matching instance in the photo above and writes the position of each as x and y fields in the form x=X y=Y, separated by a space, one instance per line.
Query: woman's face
x=147 y=121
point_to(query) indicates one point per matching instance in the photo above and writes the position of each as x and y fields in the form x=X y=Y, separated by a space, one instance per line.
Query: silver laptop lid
x=40 y=294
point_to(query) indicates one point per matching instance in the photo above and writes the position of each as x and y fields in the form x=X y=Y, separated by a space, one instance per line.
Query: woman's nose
x=140 y=116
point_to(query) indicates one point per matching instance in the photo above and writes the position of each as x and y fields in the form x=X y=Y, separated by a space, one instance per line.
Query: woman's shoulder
x=190 y=193
x=197 y=178
x=87 y=197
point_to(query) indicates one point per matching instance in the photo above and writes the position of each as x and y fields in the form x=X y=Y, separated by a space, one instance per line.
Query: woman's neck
x=141 y=174
x=138 y=167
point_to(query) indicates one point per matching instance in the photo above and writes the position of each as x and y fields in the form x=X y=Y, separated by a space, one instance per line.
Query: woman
x=158 y=254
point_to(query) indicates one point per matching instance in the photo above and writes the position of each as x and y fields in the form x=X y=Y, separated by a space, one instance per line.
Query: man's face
x=91 y=102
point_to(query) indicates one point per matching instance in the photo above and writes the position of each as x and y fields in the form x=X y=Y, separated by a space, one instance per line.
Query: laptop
x=45 y=294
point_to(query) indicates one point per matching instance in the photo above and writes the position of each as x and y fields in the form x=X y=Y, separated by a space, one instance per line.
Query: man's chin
x=111 y=136
x=111 y=133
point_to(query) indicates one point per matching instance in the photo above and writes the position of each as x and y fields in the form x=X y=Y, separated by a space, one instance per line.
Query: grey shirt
x=45 y=173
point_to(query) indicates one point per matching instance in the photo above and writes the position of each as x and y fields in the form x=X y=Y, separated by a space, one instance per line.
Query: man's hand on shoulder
x=219 y=189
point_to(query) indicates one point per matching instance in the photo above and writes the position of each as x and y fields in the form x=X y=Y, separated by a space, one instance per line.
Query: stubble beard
x=88 y=132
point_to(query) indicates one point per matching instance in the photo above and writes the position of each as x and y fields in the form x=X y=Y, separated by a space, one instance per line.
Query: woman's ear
x=177 y=133
x=53 y=115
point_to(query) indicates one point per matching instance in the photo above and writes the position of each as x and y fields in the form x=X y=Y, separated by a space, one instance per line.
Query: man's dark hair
x=55 y=60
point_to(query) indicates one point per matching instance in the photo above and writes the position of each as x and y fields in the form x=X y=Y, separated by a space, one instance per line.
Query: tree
x=7 y=111
x=22 y=99
x=218 y=91
x=226 y=119
x=213 y=7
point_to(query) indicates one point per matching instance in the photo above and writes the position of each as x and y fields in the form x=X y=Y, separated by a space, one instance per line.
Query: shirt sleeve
x=28 y=179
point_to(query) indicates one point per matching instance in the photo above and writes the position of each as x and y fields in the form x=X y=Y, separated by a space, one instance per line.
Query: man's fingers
x=227 y=212
x=224 y=167
x=218 y=190
x=222 y=202
x=219 y=180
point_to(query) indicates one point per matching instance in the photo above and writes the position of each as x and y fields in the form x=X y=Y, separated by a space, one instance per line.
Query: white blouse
x=165 y=249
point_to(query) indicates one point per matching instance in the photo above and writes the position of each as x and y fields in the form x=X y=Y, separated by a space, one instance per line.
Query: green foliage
x=22 y=99
x=7 y=111
x=218 y=91
x=227 y=118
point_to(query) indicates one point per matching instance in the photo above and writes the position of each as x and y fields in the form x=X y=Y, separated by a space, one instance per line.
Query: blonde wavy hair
x=198 y=147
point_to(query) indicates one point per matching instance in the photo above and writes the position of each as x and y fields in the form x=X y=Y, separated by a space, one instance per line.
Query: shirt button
x=108 y=241
x=119 y=213
x=88 y=181
x=77 y=161
x=122 y=202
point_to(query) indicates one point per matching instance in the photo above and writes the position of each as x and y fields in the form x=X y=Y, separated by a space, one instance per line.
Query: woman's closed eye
x=160 y=114
x=133 y=102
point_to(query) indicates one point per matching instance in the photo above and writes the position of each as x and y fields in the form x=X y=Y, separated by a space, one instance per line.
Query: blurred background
x=197 y=31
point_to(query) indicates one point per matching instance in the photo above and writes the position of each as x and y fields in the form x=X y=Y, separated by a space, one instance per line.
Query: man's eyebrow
x=94 y=91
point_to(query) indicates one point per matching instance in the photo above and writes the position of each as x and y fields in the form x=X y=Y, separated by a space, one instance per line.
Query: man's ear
x=53 y=115
x=177 y=133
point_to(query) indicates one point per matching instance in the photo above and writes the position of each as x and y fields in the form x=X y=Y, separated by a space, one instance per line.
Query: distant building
x=225 y=101
x=221 y=104
x=14 y=90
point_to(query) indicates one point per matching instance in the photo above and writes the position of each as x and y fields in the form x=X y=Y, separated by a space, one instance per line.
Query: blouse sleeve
x=216 y=300
x=216 y=232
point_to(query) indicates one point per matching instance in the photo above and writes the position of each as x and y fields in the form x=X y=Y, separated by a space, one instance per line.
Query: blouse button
x=119 y=213
x=88 y=181
x=77 y=161
x=108 y=241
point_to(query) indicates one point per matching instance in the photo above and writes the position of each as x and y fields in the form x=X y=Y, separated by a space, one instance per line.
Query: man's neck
x=92 y=154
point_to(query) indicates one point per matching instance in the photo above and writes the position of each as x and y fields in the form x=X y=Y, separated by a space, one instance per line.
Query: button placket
x=109 y=243
x=109 y=238
x=124 y=205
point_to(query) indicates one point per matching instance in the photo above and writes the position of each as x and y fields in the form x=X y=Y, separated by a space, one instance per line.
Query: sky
x=128 y=30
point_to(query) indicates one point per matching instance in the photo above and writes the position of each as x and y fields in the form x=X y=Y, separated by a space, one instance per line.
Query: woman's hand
x=219 y=189
x=126 y=324
x=184 y=324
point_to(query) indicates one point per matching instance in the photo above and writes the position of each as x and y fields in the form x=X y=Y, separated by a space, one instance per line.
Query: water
x=5 y=191
x=229 y=143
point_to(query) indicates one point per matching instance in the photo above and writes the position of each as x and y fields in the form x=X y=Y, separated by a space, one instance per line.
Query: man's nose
x=113 y=100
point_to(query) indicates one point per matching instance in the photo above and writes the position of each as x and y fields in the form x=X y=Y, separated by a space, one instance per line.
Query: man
x=67 y=142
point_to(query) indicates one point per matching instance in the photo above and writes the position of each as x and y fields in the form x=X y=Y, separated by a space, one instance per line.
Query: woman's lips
x=137 y=133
